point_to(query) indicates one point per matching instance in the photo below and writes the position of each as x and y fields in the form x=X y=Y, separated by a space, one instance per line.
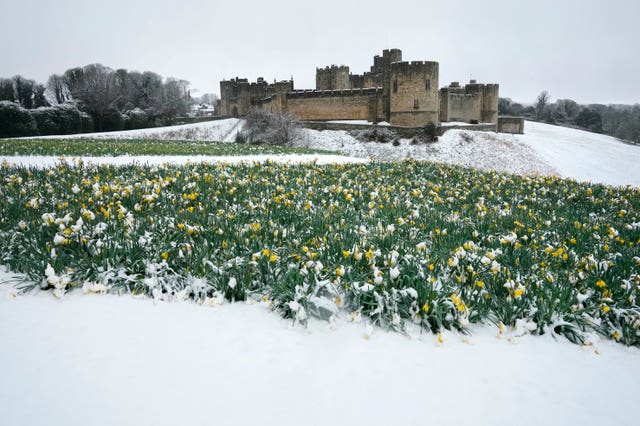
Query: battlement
x=342 y=92
x=410 y=66
x=333 y=68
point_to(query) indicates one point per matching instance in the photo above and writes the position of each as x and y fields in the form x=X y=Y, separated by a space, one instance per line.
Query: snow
x=543 y=149
x=48 y=161
x=583 y=155
x=365 y=122
x=481 y=150
x=106 y=359
x=215 y=130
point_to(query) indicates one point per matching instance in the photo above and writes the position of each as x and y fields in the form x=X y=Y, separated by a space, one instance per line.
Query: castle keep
x=399 y=92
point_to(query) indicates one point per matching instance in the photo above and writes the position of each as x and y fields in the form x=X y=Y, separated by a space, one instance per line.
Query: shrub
x=263 y=127
x=375 y=134
x=136 y=119
x=428 y=133
x=87 y=122
x=63 y=119
x=112 y=120
x=46 y=120
x=16 y=121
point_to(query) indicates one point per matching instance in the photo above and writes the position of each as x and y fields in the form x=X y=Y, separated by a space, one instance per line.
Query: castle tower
x=281 y=88
x=332 y=78
x=413 y=93
x=389 y=56
x=490 y=103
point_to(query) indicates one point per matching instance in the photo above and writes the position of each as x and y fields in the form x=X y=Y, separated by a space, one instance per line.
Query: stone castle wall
x=354 y=104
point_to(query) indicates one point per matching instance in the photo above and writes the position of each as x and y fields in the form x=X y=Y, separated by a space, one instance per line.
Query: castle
x=394 y=91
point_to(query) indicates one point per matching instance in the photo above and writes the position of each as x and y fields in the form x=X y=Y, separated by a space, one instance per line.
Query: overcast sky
x=586 y=50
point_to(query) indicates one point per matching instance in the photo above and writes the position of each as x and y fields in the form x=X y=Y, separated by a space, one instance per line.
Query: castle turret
x=389 y=56
x=413 y=95
x=490 y=103
x=332 y=78
x=473 y=103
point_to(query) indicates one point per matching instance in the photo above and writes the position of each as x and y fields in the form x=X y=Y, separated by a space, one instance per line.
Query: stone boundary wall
x=483 y=127
x=192 y=120
x=403 y=132
x=514 y=125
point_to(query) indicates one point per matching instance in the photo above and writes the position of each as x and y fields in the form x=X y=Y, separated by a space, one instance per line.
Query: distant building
x=399 y=92
x=201 y=110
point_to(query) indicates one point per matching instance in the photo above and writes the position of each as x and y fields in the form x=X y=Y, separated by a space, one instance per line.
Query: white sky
x=586 y=50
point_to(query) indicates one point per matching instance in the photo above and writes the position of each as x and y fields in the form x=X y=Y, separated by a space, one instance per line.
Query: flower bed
x=424 y=244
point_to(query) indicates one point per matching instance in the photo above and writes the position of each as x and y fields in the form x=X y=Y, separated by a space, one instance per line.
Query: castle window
x=427 y=84
x=395 y=86
x=415 y=104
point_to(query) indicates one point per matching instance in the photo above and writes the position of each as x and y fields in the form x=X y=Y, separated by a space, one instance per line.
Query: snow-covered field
x=47 y=161
x=103 y=360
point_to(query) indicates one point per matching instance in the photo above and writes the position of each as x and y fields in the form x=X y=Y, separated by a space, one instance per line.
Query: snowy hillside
x=583 y=155
x=543 y=149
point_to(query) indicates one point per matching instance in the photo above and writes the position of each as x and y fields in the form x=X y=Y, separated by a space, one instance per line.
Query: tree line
x=621 y=121
x=90 y=98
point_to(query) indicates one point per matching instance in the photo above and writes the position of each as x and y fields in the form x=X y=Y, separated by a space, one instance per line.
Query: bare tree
x=7 y=91
x=96 y=86
x=57 y=91
x=270 y=128
x=175 y=98
x=541 y=102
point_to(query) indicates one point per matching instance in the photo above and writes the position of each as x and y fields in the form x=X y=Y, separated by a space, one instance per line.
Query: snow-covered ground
x=215 y=130
x=105 y=360
x=48 y=161
x=583 y=155
x=543 y=149
x=481 y=150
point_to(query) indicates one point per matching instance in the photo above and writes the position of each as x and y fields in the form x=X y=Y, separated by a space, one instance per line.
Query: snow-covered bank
x=104 y=360
x=216 y=130
x=481 y=150
x=48 y=161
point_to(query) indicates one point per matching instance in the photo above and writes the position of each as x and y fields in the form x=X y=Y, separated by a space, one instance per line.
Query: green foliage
x=63 y=119
x=590 y=120
x=15 y=121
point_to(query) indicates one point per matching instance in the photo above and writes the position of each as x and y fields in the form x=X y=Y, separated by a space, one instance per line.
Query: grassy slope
x=116 y=147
